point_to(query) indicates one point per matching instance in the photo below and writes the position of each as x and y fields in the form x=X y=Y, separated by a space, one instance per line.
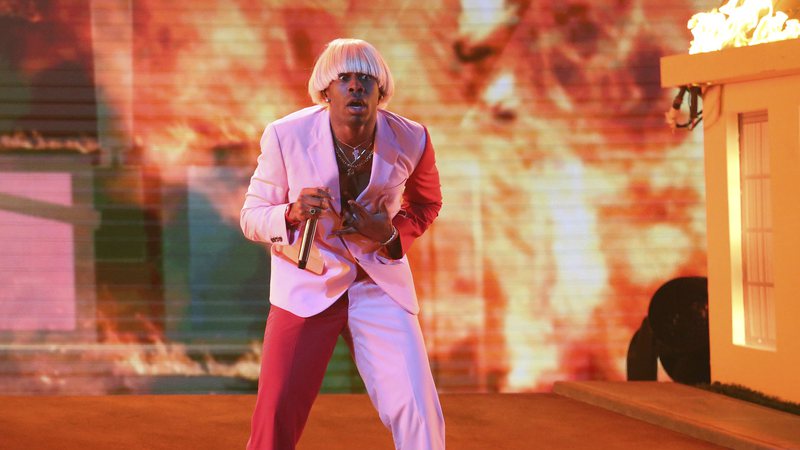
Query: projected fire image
x=567 y=199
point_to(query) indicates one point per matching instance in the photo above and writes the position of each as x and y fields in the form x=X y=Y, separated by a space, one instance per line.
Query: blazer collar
x=323 y=158
x=386 y=151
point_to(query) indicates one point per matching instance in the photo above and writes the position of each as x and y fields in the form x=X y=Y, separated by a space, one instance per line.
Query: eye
x=364 y=77
x=343 y=77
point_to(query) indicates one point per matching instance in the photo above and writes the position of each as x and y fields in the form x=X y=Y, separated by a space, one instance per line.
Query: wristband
x=391 y=238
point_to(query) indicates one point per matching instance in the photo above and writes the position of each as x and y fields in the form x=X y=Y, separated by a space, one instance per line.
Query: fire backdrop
x=130 y=129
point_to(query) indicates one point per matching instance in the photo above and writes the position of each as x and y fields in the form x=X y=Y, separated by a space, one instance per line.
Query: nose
x=355 y=85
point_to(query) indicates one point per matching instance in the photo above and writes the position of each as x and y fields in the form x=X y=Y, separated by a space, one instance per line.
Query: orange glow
x=566 y=202
x=740 y=23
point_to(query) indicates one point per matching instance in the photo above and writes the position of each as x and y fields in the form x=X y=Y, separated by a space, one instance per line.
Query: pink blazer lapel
x=323 y=158
x=386 y=151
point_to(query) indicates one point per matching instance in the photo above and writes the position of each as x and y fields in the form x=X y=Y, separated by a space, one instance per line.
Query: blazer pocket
x=292 y=252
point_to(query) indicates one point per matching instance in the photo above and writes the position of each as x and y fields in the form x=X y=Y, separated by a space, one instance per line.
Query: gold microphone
x=309 y=232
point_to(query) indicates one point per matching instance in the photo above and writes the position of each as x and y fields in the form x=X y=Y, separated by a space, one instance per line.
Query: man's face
x=353 y=98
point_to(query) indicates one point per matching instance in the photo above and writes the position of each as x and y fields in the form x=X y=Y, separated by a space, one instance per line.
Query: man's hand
x=311 y=202
x=377 y=227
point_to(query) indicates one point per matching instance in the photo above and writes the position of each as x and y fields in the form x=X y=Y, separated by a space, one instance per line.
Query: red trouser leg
x=296 y=353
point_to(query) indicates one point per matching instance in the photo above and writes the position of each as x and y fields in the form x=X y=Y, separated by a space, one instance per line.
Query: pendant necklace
x=359 y=158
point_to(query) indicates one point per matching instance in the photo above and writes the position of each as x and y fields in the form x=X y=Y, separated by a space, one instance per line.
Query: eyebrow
x=357 y=73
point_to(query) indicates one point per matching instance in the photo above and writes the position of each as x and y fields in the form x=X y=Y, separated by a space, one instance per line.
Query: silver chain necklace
x=359 y=160
x=355 y=149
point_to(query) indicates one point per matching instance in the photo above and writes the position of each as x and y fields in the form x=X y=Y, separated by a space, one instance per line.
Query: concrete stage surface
x=344 y=421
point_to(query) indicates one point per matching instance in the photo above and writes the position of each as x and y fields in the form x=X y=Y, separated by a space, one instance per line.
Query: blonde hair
x=350 y=55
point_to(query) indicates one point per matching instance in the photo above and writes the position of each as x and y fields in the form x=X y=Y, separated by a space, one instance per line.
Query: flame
x=501 y=95
x=35 y=141
x=740 y=23
x=117 y=362
x=481 y=18
x=224 y=104
x=163 y=358
x=570 y=312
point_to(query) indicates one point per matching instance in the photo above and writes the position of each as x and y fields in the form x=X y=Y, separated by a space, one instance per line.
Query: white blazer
x=297 y=152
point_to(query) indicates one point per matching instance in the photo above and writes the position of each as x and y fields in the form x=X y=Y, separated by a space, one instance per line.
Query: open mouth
x=357 y=105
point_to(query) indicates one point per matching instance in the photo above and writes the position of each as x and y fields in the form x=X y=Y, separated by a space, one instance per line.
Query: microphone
x=308 y=239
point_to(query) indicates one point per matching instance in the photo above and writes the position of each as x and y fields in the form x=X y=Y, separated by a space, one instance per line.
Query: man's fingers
x=317 y=192
x=316 y=197
x=345 y=230
x=318 y=202
x=358 y=209
x=322 y=192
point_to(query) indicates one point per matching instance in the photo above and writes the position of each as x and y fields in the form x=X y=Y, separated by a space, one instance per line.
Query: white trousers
x=390 y=354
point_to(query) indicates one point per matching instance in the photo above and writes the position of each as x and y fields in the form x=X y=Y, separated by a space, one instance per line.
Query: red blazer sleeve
x=422 y=198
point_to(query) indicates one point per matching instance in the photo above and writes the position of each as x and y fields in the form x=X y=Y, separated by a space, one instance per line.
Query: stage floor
x=338 y=421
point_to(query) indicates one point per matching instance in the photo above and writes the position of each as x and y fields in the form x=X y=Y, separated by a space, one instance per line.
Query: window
x=756 y=228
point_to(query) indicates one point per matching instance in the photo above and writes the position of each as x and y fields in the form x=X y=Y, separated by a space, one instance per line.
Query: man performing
x=368 y=179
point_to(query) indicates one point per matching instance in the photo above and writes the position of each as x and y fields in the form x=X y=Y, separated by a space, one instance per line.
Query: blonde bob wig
x=345 y=56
